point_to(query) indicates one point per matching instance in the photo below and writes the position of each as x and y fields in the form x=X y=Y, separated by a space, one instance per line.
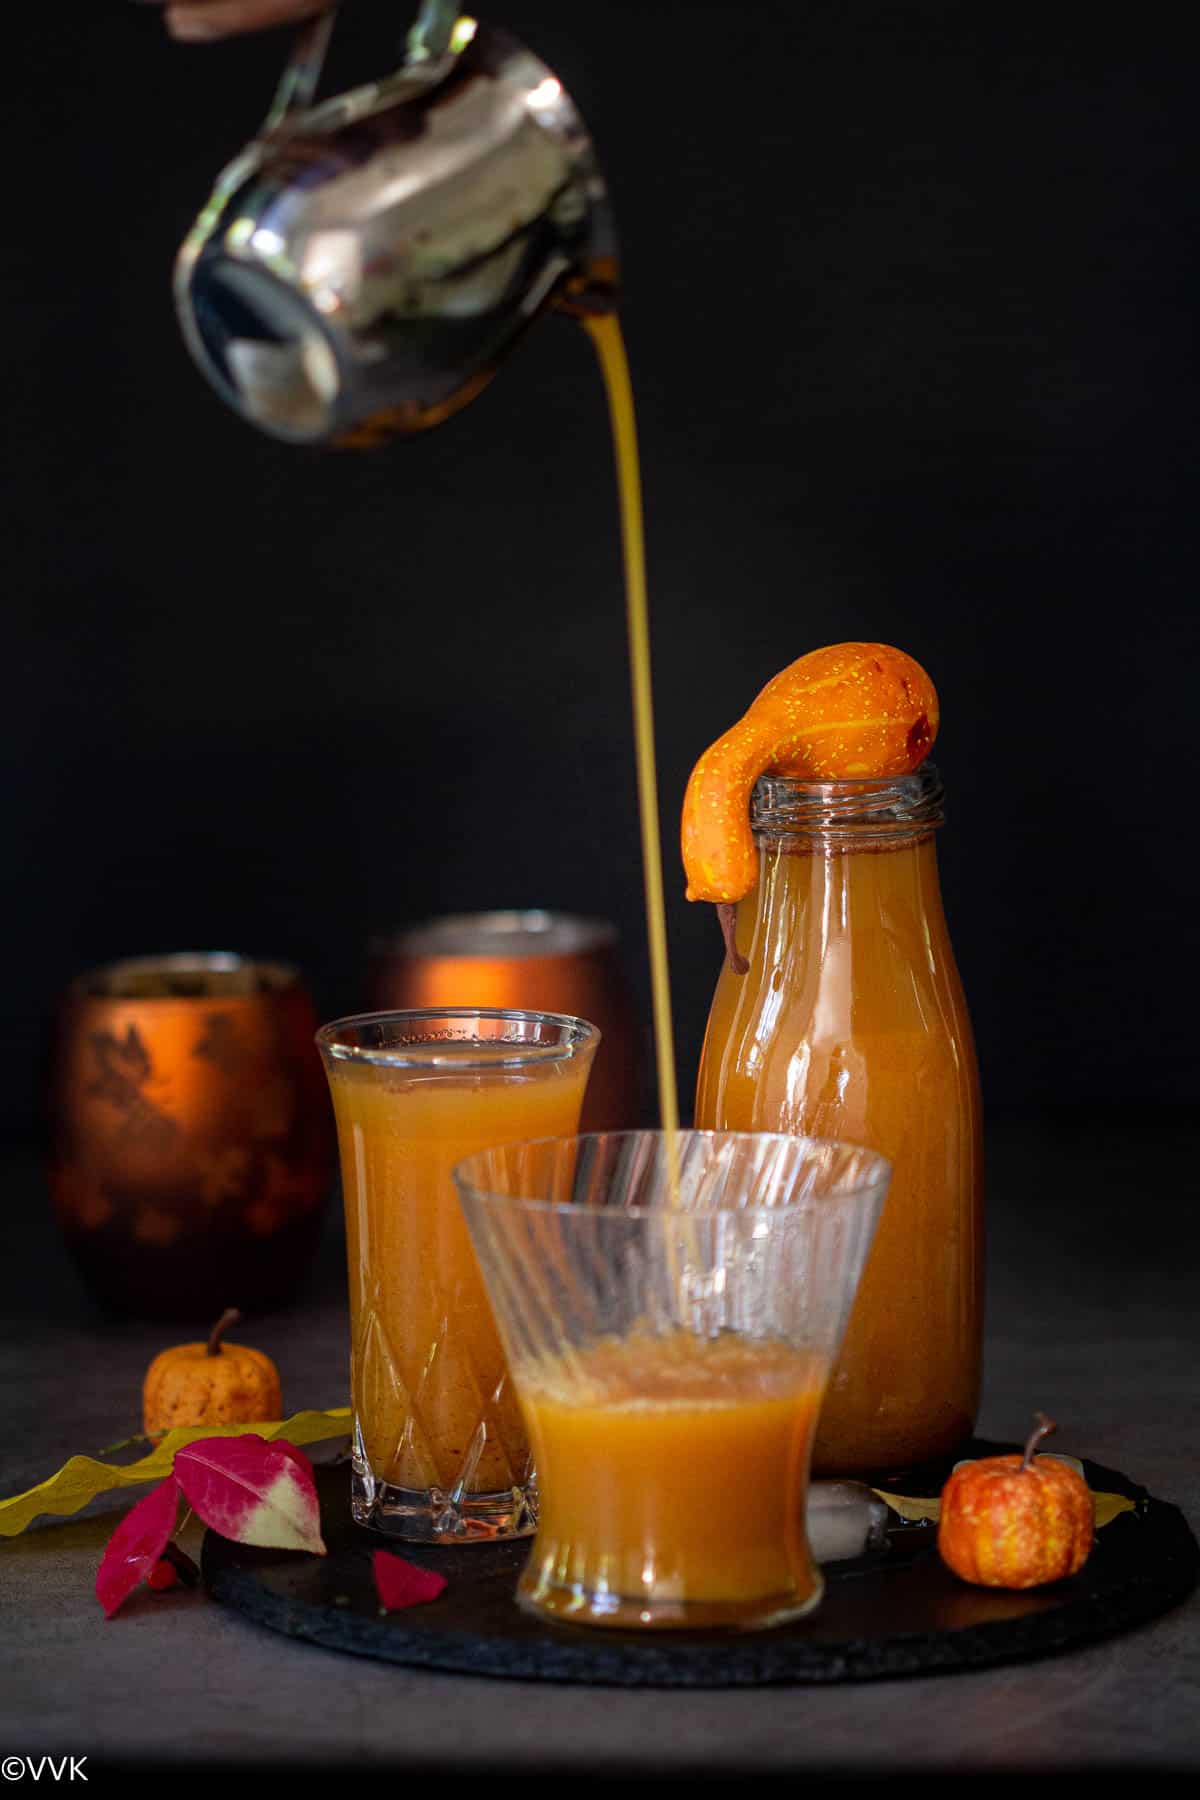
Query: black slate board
x=896 y=1612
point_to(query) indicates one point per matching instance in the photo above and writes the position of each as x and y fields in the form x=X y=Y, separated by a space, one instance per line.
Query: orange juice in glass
x=676 y=1464
x=671 y=1306
x=441 y=1453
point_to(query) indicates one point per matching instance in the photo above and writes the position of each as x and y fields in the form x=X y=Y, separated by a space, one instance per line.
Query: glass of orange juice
x=671 y=1305
x=440 y=1452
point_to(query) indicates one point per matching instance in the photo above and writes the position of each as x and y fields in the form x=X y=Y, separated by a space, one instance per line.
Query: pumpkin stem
x=229 y=1317
x=1041 y=1430
x=727 y=915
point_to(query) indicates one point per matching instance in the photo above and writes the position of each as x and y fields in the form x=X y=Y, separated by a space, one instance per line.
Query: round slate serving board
x=896 y=1612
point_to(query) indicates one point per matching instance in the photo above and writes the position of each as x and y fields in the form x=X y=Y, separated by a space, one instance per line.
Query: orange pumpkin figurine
x=1016 y=1521
x=846 y=712
x=210 y=1384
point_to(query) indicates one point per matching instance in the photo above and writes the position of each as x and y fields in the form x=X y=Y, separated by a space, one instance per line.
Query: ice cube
x=844 y=1519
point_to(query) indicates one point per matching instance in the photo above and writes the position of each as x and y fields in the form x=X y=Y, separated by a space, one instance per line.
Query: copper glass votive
x=191 y=1149
x=541 y=961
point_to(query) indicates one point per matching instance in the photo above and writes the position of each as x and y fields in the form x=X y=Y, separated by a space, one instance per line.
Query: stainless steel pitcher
x=365 y=264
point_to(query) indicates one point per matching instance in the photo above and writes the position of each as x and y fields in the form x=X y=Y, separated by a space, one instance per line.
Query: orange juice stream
x=605 y=333
x=673 y=1472
x=426 y=1362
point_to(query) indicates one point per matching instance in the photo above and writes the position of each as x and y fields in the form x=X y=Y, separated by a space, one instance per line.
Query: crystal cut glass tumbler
x=440 y=1453
x=671 y=1306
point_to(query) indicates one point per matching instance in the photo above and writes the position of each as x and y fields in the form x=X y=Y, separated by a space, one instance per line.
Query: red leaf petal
x=400 y=1584
x=252 y=1491
x=136 y=1545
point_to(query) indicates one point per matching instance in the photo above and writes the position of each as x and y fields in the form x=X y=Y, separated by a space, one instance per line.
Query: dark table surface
x=1093 y=1232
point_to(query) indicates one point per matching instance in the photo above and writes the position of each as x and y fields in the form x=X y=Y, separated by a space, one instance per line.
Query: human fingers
x=201 y=21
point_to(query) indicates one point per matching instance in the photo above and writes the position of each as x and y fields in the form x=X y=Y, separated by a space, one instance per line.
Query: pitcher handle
x=431 y=35
x=298 y=83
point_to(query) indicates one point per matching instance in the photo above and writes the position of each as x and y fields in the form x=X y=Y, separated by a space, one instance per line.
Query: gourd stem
x=727 y=914
x=229 y=1317
x=1041 y=1430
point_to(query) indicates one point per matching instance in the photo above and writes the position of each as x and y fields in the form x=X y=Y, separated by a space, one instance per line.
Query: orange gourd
x=210 y=1384
x=1016 y=1521
x=847 y=711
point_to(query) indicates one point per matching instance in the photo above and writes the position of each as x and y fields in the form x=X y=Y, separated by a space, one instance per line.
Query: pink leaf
x=400 y=1584
x=297 y=1455
x=136 y=1545
x=252 y=1491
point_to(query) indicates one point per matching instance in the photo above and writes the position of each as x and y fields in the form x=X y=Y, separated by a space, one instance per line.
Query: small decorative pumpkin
x=1016 y=1521
x=210 y=1384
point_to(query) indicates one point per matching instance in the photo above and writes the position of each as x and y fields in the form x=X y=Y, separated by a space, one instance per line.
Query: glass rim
x=469 y=1189
x=925 y=774
x=424 y=1053
x=528 y=932
x=857 y=809
x=110 y=980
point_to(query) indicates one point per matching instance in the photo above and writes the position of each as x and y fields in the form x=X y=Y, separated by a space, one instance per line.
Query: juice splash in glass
x=671 y=1313
x=673 y=1469
x=441 y=1452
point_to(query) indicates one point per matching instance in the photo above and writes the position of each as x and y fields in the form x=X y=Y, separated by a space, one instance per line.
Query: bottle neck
x=848 y=888
x=827 y=817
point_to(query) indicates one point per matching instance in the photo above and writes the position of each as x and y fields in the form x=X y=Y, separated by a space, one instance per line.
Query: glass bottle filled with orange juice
x=851 y=1023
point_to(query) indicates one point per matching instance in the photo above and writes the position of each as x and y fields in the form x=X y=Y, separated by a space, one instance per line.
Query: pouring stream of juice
x=605 y=333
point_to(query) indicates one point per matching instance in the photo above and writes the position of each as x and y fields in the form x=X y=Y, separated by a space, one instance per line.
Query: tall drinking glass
x=440 y=1450
x=671 y=1307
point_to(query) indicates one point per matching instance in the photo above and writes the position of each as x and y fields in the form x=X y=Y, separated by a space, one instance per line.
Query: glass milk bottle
x=850 y=1023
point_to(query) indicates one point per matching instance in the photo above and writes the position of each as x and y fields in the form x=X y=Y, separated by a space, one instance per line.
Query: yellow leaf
x=83 y=1478
x=1105 y=1507
x=914 y=1510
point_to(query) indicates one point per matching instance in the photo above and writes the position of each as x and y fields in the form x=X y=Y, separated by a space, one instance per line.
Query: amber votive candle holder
x=191 y=1150
x=531 y=958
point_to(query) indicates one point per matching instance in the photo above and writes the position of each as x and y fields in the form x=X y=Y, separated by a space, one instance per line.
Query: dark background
x=906 y=301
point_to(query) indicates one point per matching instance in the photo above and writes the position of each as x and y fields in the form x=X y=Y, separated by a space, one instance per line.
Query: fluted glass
x=670 y=1307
